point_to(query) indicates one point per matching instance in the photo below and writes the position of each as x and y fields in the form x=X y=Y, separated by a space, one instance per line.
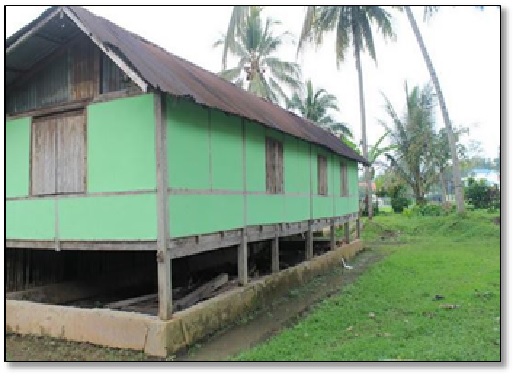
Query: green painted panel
x=297 y=208
x=264 y=209
x=323 y=207
x=30 y=219
x=188 y=145
x=198 y=214
x=226 y=151
x=255 y=157
x=130 y=217
x=297 y=166
x=17 y=157
x=121 y=152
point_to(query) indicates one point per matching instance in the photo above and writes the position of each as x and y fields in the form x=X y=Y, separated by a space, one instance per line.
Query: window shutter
x=344 y=190
x=269 y=158
x=279 y=166
x=71 y=153
x=43 y=162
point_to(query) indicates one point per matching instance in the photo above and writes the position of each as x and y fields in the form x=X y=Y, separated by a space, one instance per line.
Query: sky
x=463 y=42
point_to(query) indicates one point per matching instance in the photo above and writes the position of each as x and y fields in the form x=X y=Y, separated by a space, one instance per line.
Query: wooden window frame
x=344 y=182
x=274 y=166
x=56 y=191
x=322 y=175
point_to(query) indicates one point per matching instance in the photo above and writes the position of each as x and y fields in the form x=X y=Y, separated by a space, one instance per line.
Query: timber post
x=309 y=242
x=333 y=240
x=346 y=232
x=357 y=229
x=275 y=252
x=242 y=260
x=163 y=256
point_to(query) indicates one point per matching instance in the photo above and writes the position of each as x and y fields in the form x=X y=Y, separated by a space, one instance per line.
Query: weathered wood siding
x=74 y=72
x=43 y=167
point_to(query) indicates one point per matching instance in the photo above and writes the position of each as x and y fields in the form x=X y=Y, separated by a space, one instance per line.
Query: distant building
x=491 y=176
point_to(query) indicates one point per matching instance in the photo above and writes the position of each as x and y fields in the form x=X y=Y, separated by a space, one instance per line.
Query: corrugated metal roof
x=169 y=73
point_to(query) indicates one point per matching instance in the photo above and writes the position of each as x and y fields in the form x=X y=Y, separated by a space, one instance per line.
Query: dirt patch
x=251 y=330
x=496 y=220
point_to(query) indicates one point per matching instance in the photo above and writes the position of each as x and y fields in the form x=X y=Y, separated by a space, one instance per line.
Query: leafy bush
x=399 y=203
x=482 y=196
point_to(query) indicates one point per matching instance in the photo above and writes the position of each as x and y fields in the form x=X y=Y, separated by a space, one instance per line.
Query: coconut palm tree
x=236 y=21
x=413 y=136
x=258 y=70
x=315 y=105
x=459 y=194
x=352 y=26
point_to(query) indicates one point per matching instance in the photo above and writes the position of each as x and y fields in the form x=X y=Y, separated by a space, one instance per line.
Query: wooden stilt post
x=333 y=240
x=242 y=260
x=357 y=233
x=346 y=232
x=163 y=256
x=309 y=242
x=275 y=252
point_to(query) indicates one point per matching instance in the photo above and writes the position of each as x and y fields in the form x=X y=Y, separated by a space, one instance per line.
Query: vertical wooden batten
x=164 y=259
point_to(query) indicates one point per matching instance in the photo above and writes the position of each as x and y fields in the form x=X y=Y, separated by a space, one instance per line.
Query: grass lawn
x=435 y=297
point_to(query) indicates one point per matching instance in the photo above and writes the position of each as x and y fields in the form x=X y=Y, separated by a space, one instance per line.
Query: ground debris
x=448 y=306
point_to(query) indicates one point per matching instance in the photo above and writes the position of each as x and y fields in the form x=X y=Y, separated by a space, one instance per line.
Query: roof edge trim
x=32 y=31
x=114 y=57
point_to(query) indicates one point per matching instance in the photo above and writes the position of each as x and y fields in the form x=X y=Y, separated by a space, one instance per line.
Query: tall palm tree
x=236 y=21
x=315 y=105
x=258 y=70
x=352 y=26
x=459 y=194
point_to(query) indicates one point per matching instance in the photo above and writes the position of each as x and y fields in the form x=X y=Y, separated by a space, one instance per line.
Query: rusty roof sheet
x=169 y=73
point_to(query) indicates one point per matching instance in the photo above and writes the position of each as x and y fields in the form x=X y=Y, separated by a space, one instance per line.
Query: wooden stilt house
x=113 y=143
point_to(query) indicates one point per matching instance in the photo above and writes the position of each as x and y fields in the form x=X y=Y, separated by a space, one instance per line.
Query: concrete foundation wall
x=148 y=333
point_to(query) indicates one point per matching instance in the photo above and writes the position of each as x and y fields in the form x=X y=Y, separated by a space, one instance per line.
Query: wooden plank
x=275 y=254
x=82 y=72
x=309 y=243
x=279 y=168
x=71 y=151
x=357 y=228
x=131 y=301
x=242 y=260
x=43 y=156
x=114 y=57
x=201 y=293
x=346 y=233
x=333 y=240
x=344 y=190
x=163 y=217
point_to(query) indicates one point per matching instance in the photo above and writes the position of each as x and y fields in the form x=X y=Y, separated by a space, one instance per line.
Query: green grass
x=391 y=313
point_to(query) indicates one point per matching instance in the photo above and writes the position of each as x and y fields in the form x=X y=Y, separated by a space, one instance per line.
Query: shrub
x=399 y=203
x=482 y=196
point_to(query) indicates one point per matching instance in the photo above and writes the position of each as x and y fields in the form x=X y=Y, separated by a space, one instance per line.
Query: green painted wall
x=204 y=154
x=197 y=214
x=30 y=219
x=188 y=145
x=226 y=151
x=121 y=154
x=130 y=217
x=17 y=157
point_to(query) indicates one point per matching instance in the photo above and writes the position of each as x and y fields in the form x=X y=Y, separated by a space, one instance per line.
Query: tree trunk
x=363 y=124
x=459 y=195
x=443 y=185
